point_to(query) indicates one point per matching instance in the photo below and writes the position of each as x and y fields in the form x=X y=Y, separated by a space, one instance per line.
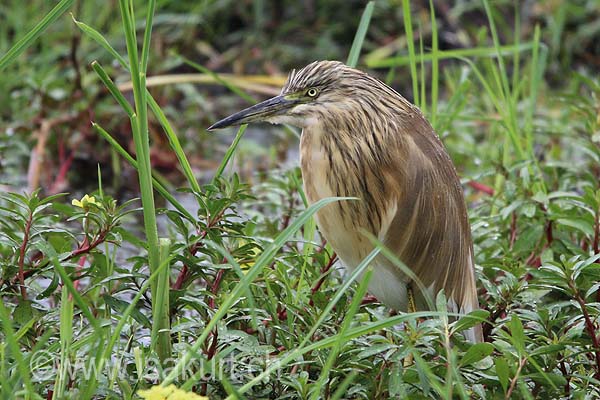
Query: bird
x=361 y=138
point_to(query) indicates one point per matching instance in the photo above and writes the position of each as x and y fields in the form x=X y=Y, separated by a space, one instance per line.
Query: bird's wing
x=430 y=230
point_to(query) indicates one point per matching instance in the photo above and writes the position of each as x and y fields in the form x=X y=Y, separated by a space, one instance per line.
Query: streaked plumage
x=361 y=138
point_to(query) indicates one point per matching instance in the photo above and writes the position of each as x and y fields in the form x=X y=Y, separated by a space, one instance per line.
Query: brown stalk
x=36 y=160
x=513 y=381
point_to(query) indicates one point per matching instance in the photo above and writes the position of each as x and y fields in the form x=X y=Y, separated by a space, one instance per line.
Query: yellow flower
x=168 y=393
x=249 y=261
x=85 y=202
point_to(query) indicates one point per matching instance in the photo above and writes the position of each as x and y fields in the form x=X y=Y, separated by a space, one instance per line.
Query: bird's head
x=307 y=94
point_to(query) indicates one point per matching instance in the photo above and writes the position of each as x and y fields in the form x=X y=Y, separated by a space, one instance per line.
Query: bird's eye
x=312 y=92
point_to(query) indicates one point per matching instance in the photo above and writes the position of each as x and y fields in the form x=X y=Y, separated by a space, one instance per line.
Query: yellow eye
x=312 y=92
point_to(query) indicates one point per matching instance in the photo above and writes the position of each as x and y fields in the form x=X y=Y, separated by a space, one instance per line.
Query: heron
x=360 y=138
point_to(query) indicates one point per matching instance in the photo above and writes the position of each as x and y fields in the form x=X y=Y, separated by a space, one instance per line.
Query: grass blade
x=27 y=40
x=229 y=153
x=139 y=125
x=410 y=42
x=434 y=67
x=491 y=52
x=98 y=38
x=359 y=37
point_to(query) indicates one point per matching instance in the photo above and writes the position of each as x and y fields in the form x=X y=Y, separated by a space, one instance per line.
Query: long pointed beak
x=258 y=112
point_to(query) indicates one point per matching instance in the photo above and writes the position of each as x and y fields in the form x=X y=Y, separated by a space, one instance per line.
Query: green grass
x=233 y=297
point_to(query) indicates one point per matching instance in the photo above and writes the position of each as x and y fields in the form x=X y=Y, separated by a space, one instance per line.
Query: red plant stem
x=80 y=265
x=480 y=187
x=212 y=349
x=533 y=260
x=294 y=369
x=214 y=288
x=589 y=326
x=83 y=248
x=210 y=353
x=549 y=235
x=368 y=299
x=194 y=248
x=181 y=278
x=22 y=251
x=183 y=274
x=563 y=369
x=86 y=246
x=322 y=278
x=288 y=215
x=595 y=244
x=282 y=314
x=61 y=176
x=491 y=321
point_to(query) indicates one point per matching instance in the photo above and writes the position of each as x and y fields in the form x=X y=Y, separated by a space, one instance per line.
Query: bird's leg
x=412 y=307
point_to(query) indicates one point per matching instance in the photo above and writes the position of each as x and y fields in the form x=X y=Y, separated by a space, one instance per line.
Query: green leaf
x=23 y=312
x=581 y=224
x=476 y=353
x=517 y=333
x=502 y=372
x=374 y=349
x=470 y=320
x=50 y=289
x=121 y=305
x=528 y=210
x=592 y=290
x=529 y=236
x=548 y=349
x=557 y=379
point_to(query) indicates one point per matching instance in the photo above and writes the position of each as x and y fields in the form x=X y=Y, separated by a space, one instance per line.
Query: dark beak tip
x=257 y=113
x=216 y=126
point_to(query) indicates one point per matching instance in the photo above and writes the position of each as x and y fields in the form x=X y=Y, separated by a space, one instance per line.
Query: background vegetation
x=217 y=281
